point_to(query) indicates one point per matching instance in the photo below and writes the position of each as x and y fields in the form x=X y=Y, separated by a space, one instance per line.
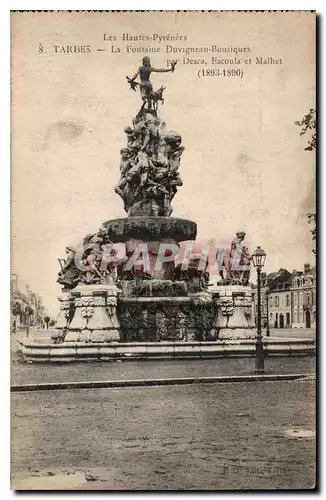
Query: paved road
x=22 y=373
x=299 y=333
x=201 y=437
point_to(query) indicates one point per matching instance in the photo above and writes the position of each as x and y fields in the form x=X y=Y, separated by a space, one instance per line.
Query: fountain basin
x=150 y=229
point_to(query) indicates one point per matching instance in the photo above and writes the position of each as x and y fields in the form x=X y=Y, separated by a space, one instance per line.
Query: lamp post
x=259 y=257
x=267 y=312
x=28 y=312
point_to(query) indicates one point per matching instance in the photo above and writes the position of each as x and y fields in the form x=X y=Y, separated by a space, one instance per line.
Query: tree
x=16 y=308
x=52 y=322
x=312 y=221
x=47 y=321
x=308 y=124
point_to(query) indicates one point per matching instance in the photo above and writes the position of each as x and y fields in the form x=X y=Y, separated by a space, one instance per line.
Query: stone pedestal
x=234 y=317
x=64 y=318
x=158 y=317
x=95 y=316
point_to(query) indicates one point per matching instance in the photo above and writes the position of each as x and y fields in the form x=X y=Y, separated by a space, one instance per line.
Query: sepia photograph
x=163 y=313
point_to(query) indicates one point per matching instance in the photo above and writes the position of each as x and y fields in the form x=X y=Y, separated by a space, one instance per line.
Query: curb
x=50 y=386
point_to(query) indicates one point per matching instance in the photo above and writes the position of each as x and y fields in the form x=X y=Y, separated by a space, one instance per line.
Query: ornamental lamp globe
x=259 y=257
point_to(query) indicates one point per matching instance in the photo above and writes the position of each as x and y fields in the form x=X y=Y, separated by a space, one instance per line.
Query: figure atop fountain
x=235 y=265
x=149 y=176
x=149 y=97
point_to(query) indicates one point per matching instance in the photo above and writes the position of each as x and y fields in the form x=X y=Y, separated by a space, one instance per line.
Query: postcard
x=163 y=275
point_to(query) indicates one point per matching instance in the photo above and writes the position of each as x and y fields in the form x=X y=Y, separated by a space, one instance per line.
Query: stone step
x=68 y=352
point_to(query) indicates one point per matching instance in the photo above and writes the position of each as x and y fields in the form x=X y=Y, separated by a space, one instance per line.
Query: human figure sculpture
x=88 y=268
x=245 y=261
x=236 y=261
x=146 y=88
x=150 y=161
x=149 y=167
x=69 y=276
x=197 y=279
x=92 y=261
x=131 y=136
x=126 y=165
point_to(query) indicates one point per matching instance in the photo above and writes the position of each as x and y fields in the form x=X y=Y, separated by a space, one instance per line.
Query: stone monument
x=121 y=283
x=234 y=317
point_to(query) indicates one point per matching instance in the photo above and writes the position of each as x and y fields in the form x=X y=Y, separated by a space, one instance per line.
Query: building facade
x=26 y=306
x=270 y=304
x=280 y=308
x=288 y=300
x=304 y=298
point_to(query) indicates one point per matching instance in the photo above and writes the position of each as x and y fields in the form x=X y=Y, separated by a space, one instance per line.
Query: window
x=287 y=319
x=308 y=298
x=277 y=302
x=287 y=300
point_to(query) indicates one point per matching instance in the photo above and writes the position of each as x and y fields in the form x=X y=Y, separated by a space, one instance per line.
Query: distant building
x=303 y=289
x=26 y=306
x=291 y=298
x=280 y=315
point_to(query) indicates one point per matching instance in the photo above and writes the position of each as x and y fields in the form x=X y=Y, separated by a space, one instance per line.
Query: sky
x=244 y=165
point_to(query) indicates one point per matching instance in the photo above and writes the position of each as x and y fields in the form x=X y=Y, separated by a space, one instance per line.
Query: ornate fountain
x=122 y=283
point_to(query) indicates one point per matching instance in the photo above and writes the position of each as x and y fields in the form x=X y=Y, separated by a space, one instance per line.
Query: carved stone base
x=64 y=317
x=156 y=319
x=234 y=318
x=95 y=318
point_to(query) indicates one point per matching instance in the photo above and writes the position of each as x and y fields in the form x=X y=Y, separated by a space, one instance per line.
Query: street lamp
x=259 y=257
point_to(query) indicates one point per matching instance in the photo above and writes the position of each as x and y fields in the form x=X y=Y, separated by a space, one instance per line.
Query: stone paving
x=22 y=373
x=201 y=437
x=205 y=437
